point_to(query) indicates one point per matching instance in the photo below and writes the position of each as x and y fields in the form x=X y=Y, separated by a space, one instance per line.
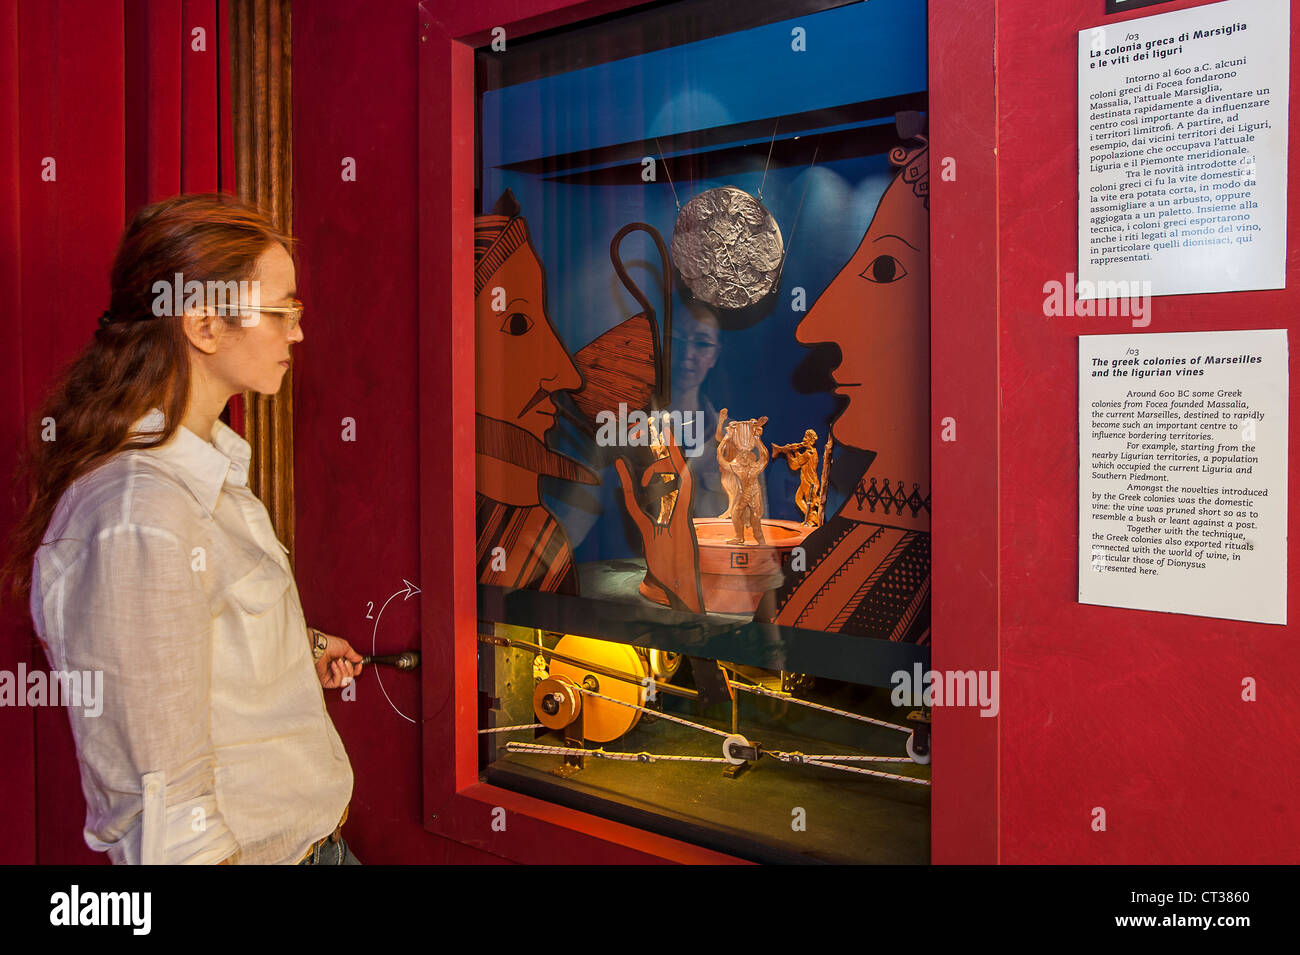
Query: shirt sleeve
x=134 y=610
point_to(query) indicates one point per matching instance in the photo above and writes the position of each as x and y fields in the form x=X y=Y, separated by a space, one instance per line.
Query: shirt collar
x=203 y=467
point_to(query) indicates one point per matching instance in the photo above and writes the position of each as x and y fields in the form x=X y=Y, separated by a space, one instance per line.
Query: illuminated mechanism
x=596 y=691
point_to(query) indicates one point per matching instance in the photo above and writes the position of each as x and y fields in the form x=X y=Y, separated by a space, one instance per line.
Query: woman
x=152 y=562
x=697 y=345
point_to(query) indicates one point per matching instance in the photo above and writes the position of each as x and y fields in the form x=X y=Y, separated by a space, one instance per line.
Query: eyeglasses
x=697 y=344
x=292 y=312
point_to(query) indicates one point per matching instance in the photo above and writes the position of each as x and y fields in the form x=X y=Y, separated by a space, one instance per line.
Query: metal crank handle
x=402 y=661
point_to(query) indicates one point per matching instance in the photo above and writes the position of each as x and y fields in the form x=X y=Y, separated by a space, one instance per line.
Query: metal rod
x=402 y=661
x=594 y=668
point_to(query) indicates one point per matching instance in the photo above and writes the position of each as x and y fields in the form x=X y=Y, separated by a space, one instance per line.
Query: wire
x=763 y=181
x=668 y=174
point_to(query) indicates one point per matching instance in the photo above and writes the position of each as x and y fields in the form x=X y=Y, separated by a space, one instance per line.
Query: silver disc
x=727 y=247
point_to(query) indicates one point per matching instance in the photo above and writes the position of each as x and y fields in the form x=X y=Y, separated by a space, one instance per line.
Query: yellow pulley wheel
x=602 y=720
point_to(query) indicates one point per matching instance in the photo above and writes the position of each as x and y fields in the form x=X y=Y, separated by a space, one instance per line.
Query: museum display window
x=701 y=393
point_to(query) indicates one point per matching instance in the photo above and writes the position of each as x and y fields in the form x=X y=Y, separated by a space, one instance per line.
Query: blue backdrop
x=853 y=54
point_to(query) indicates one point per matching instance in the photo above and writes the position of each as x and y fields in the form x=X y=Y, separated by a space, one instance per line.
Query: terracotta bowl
x=734 y=577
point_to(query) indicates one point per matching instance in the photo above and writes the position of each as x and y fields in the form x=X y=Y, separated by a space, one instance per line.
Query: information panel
x=1183 y=473
x=1182 y=151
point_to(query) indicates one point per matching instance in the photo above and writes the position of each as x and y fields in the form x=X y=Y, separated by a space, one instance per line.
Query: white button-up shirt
x=161 y=569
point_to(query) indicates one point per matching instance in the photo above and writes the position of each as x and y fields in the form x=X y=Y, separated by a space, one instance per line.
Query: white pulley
x=911 y=751
x=735 y=739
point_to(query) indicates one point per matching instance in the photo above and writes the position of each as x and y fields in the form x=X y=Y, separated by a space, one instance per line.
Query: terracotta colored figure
x=521 y=363
x=869 y=564
x=803 y=458
x=735 y=437
x=747 y=511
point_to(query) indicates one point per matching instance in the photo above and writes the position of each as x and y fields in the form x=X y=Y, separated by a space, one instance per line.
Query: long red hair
x=136 y=360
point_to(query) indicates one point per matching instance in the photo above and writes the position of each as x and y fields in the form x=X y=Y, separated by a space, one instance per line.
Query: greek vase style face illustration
x=877 y=310
x=521 y=361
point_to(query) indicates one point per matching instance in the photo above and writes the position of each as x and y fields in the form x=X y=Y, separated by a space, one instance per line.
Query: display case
x=700 y=411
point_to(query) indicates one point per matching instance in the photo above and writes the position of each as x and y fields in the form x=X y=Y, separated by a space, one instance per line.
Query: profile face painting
x=521 y=365
x=522 y=362
x=877 y=311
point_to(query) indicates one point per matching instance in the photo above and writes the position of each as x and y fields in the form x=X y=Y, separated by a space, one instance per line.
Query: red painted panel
x=72 y=90
x=963 y=387
x=153 y=104
x=354 y=89
x=1136 y=712
x=18 y=777
x=225 y=129
x=199 y=108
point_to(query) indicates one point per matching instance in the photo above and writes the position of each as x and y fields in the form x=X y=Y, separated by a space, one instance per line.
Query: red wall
x=1137 y=712
x=354 y=95
x=964 y=387
x=115 y=94
x=17 y=728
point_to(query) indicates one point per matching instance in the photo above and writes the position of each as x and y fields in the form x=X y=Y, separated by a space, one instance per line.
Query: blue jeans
x=332 y=853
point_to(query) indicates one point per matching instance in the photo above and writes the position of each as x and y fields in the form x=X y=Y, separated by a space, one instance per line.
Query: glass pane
x=702 y=363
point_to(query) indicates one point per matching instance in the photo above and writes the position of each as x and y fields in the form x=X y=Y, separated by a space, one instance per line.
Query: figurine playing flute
x=802 y=457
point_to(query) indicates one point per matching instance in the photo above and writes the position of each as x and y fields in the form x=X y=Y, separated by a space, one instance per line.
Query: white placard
x=1182 y=151
x=1183 y=473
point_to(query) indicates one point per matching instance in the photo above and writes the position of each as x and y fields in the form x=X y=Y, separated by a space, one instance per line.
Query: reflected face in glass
x=521 y=361
x=696 y=346
x=877 y=310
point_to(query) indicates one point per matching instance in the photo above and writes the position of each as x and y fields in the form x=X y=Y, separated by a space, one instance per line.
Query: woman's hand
x=671 y=551
x=339 y=665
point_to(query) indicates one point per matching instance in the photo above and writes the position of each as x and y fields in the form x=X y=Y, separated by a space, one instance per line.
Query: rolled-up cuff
x=191 y=832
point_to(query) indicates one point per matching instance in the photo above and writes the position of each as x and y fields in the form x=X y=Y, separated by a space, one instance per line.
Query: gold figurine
x=802 y=457
x=740 y=466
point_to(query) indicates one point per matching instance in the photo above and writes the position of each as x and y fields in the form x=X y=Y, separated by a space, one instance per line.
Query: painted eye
x=884 y=269
x=516 y=323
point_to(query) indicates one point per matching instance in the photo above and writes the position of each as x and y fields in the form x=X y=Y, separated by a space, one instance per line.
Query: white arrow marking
x=407 y=592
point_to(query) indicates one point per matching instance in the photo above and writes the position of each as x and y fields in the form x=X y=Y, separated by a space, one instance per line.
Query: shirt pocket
x=254 y=642
x=261 y=588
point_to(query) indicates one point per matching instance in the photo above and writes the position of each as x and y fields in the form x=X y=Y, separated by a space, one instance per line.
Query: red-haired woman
x=152 y=563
